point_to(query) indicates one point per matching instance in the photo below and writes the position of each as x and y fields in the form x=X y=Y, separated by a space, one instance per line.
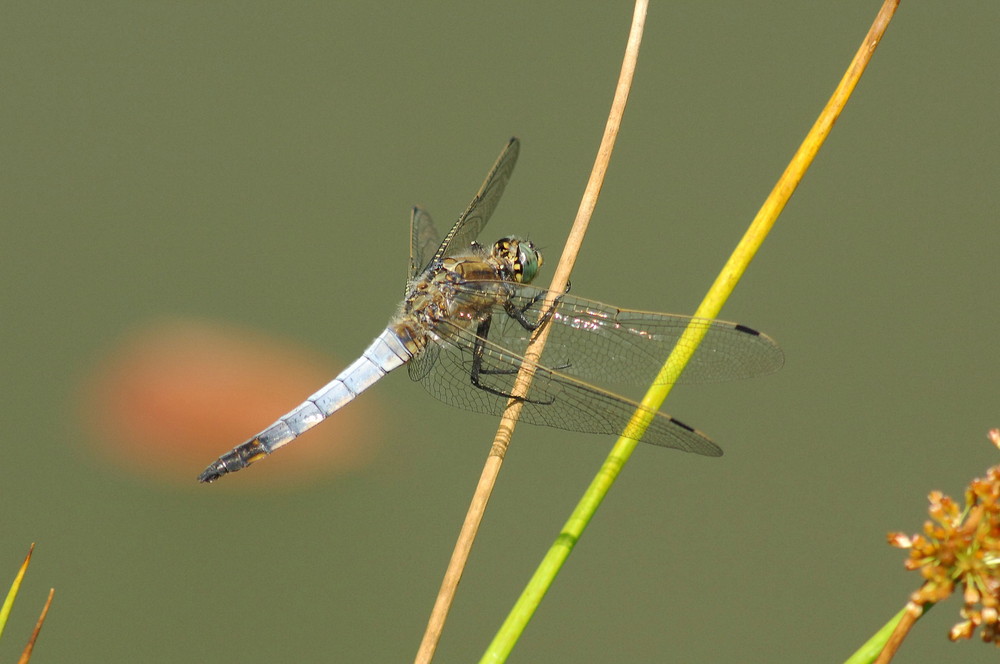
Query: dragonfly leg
x=477 y=367
x=517 y=313
x=533 y=326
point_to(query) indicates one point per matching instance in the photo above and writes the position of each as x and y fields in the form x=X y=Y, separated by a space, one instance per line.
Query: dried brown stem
x=560 y=278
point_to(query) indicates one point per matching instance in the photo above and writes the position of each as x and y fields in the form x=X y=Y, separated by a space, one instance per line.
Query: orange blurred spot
x=171 y=397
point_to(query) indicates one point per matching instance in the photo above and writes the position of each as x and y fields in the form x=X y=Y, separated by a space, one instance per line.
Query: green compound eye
x=530 y=260
x=520 y=256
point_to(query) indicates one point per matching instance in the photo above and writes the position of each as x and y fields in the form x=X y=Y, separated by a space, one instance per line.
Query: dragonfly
x=467 y=316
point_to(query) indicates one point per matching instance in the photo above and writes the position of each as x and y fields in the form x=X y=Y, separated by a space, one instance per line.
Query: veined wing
x=424 y=239
x=554 y=399
x=468 y=226
x=594 y=341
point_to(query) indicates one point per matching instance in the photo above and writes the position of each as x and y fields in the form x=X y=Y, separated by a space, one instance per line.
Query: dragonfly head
x=518 y=257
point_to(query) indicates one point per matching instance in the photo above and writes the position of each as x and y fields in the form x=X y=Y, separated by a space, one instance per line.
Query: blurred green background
x=252 y=164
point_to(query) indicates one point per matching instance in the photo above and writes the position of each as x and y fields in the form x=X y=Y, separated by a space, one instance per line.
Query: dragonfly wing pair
x=589 y=341
x=424 y=237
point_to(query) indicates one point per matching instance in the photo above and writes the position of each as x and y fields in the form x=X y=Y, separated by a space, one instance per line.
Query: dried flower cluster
x=961 y=548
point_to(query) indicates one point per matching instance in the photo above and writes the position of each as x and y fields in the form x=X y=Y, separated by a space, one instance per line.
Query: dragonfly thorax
x=518 y=258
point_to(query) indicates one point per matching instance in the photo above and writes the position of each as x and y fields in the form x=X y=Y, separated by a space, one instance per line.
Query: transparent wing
x=424 y=239
x=555 y=399
x=468 y=226
x=594 y=341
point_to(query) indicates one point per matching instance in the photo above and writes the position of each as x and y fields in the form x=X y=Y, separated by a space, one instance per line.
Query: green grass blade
x=8 y=602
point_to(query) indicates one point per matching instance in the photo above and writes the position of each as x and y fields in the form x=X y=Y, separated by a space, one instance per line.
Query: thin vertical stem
x=498 y=450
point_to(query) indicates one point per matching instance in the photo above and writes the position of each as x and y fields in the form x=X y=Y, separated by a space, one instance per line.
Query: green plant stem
x=545 y=574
